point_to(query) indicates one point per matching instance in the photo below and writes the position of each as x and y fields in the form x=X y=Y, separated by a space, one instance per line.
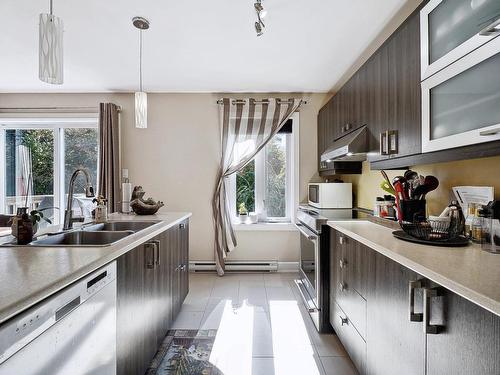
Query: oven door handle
x=310 y=235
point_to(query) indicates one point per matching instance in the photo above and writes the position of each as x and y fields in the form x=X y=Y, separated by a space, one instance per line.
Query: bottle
x=477 y=226
x=126 y=192
x=101 y=211
x=471 y=209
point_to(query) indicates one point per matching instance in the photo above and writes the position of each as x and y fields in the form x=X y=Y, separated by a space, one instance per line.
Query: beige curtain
x=109 y=155
x=246 y=128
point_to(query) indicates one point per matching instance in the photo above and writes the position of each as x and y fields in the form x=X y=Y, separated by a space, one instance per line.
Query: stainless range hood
x=350 y=147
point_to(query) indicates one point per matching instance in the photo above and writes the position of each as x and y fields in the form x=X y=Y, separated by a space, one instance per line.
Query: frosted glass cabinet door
x=461 y=104
x=452 y=28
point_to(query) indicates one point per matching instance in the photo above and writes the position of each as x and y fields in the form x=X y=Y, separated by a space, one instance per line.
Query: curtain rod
x=52 y=110
x=243 y=101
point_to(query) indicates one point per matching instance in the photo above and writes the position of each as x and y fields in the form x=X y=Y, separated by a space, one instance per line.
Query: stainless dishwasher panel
x=72 y=332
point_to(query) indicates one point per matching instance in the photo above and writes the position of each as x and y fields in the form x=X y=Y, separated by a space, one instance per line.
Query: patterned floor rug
x=185 y=352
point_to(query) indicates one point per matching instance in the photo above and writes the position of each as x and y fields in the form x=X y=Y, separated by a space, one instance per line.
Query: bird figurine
x=143 y=206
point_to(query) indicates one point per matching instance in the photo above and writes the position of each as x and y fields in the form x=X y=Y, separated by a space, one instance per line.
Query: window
x=40 y=155
x=266 y=185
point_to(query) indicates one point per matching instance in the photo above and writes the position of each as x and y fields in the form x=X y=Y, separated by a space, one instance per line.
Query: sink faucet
x=89 y=193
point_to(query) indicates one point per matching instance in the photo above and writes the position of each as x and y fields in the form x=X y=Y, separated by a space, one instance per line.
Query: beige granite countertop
x=468 y=271
x=30 y=274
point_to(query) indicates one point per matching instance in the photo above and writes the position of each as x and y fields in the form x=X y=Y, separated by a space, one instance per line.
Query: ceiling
x=192 y=46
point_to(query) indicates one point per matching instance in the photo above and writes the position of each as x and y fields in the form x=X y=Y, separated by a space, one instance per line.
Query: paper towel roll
x=126 y=195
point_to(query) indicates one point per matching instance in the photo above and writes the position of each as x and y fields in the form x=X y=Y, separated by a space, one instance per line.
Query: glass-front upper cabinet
x=461 y=104
x=450 y=29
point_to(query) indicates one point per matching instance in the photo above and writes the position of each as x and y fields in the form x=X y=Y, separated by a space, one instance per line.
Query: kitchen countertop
x=30 y=274
x=467 y=271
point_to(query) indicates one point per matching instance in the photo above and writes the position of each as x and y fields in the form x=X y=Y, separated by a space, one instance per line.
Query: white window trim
x=58 y=125
x=285 y=224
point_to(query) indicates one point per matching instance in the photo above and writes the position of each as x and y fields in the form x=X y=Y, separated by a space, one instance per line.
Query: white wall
x=175 y=160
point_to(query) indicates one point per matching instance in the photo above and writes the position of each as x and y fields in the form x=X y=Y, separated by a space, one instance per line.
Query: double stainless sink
x=104 y=234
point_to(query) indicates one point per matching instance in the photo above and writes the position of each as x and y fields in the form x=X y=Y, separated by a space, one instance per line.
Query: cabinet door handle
x=150 y=254
x=342 y=286
x=343 y=321
x=486 y=133
x=412 y=315
x=182 y=225
x=157 y=248
x=429 y=293
x=342 y=240
x=492 y=29
x=342 y=263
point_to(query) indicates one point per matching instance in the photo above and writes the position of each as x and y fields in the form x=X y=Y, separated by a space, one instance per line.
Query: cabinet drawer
x=352 y=341
x=355 y=307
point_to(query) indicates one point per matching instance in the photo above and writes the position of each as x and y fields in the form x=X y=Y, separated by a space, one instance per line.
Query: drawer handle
x=412 y=315
x=343 y=263
x=430 y=328
x=182 y=225
x=492 y=29
x=486 y=133
x=343 y=321
x=342 y=286
x=342 y=240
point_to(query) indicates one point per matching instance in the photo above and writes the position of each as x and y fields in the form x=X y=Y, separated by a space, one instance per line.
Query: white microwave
x=330 y=195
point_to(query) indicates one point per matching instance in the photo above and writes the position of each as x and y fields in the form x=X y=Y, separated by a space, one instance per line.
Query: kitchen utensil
x=397 y=182
x=386 y=178
x=430 y=183
x=388 y=188
x=410 y=175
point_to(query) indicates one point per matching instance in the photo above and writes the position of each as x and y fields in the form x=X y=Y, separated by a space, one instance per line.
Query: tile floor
x=263 y=327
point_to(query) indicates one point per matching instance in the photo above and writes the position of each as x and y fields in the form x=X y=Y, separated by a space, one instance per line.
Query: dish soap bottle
x=101 y=210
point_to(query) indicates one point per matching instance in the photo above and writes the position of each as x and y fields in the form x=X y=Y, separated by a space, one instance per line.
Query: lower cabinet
x=396 y=345
x=152 y=283
x=413 y=326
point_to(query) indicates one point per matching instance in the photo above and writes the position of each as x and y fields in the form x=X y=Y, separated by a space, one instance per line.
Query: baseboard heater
x=235 y=266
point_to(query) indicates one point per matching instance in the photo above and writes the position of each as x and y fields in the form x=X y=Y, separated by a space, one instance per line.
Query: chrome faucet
x=89 y=193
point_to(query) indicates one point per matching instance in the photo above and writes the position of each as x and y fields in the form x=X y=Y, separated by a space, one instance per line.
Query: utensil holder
x=413 y=210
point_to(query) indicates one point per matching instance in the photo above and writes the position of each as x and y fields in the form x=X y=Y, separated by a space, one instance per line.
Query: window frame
x=292 y=185
x=57 y=125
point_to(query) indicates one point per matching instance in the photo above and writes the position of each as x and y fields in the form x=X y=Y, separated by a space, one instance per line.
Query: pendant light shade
x=141 y=110
x=141 y=98
x=50 y=51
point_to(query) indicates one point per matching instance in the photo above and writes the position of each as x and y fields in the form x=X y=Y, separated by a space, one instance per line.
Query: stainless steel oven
x=314 y=280
x=309 y=266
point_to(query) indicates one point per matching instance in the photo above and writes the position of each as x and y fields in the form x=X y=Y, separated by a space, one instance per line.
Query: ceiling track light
x=50 y=48
x=261 y=13
x=141 y=98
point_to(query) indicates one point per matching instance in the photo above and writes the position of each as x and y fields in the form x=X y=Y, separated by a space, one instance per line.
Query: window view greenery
x=31 y=152
x=41 y=144
x=275 y=176
x=245 y=187
x=274 y=184
x=80 y=151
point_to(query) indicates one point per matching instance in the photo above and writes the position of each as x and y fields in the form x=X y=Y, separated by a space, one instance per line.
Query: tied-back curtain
x=246 y=128
x=109 y=155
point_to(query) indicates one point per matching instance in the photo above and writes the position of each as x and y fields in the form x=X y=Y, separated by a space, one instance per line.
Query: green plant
x=37 y=215
x=245 y=187
x=242 y=209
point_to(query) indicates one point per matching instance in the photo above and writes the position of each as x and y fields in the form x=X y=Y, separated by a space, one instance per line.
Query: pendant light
x=141 y=98
x=50 y=49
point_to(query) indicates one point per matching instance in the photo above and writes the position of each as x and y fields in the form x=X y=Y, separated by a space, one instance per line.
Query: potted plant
x=243 y=212
x=36 y=216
